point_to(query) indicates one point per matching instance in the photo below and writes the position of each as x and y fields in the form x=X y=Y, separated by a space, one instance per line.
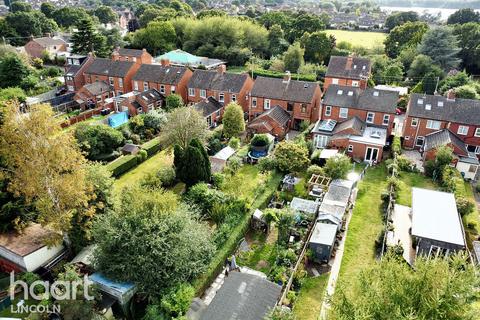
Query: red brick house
x=165 y=78
x=38 y=47
x=212 y=110
x=141 y=102
x=374 y=106
x=74 y=69
x=134 y=55
x=357 y=138
x=116 y=73
x=275 y=121
x=94 y=95
x=348 y=71
x=429 y=113
x=301 y=99
x=223 y=86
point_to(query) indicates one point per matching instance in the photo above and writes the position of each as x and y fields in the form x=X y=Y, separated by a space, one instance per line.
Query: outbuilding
x=323 y=241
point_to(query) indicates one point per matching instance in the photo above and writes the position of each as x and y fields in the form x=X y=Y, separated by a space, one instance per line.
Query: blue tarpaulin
x=122 y=291
x=117 y=119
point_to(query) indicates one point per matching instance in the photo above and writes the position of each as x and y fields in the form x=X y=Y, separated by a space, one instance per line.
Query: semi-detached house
x=348 y=71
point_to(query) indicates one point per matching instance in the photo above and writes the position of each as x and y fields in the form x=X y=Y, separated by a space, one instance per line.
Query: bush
x=152 y=146
x=234 y=164
x=429 y=167
x=122 y=165
x=314 y=169
x=218 y=180
x=142 y=155
x=214 y=145
x=234 y=143
x=396 y=145
x=477 y=187
x=405 y=164
x=464 y=206
x=266 y=164
x=166 y=176
x=260 y=140
x=337 y=167
x=177 y=301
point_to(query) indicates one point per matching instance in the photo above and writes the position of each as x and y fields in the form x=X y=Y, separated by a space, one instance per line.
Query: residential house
x=348 y=71
x=39 y=47
x=140 y=102
x=275 y=121
x=223 y=86
x=165 y=78
x=27 y=251
x=181 y=58
x=116 y=73
x=94 y=95
x=466 y=162
x=301 y=99
x=134 y=55
x=74 y=69
x=212 y=110
x=374 y=106
x=429 y=113
x=437 y=227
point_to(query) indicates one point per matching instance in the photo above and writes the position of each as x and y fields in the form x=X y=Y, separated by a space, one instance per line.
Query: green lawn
x=310 y=298
x=163 y=158
x=359 y=38
x=409 y=180
x=365 y=225
x=246 y=183
x=263 y=251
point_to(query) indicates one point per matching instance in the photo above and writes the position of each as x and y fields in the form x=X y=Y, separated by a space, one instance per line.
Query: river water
x=444 y=13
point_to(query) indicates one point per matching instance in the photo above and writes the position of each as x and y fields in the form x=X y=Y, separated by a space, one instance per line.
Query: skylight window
x=350 y=93
x=428 y=106
x=420 y=101
x=340 y=92
x=375 y=93
x=440 y=103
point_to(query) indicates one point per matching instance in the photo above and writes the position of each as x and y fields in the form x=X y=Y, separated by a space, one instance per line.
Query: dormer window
x=420 y=101
x=375 y=93
x=440 y=103
x=340 y=92
x=428 y=106
x=350 y=93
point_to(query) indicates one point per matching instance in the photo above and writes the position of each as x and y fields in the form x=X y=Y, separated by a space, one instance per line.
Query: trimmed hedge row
x=122 y=165
x=275 y=74
x=152 y=146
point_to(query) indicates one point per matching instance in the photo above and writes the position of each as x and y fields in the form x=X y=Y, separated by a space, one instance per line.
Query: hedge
x=122 y=165
x=218 y=262
x=275 y=74
x=152 y=146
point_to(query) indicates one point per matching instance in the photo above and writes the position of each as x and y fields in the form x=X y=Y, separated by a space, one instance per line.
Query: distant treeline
x=445 y=4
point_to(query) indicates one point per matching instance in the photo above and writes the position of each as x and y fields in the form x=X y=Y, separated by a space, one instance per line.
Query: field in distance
x=359 y=38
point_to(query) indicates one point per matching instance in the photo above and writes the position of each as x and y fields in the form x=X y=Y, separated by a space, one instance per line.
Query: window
x=254 y=102
x=221 y=97
x=119 y=93
x=218 y=113
x=419 y=141
x=340 y=92
x=203 y=93
x=134 y=59
x=266 y=104
x=414 y=122
x=376 y=93
x=70 y=88
x=334 y=81
x=321 y=141
x=407 y=138
x=355 y=84
x=432 y=124
x=304 y=108
x=191 y=92
x=440 y=103
x=150 y=107
x=234 y=97
x=477 y=132
x=145 y=86
x=99 y=98
x=110 y=80
x=463 y=130
x=120 y=82
x=472 y=168
x=350 y=93
x=386 y=119
x=172 y=89
x=328 y=111
x=135 y=85
x=162 y=88
x=428 y=106
x=420 y=101
x=343 y=113
x=350 y=148
x=126 y=58
x=370 y=117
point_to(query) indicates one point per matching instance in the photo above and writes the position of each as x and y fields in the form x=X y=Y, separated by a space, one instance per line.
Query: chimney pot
x=222 y=68
x=451 y=94
x=165 y=62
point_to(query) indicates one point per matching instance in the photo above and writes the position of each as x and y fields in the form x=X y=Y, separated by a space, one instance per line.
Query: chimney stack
x=165 y=62
x=348 y=66
x=222 y=68
x=287 y=77
x=451 y=94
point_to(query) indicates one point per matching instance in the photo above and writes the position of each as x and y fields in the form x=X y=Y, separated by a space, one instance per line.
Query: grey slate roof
x=466 y=111
x=130 y=52
x=208 y=106
x=441 y=138
x=278 y=114
x=337 y=67
x=98 y=87
x=219 y=81
x=369 y=99
x=275 y=88
x=150 y=95
x=324 y=234
x=242 y=296
x=107 y=67
x=48 y=41
x=353 y=123
x=160 y=74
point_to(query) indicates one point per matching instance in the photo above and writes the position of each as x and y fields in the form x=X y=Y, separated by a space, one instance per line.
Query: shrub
x=405 y=164
x=429 y=167
x=464 y=206
x=218 y=179
x=177 y=301
x=234 y=164
x=167 y=176
x=260 y=140
x=477 y=187
x=97 y=140
x=314 y=169
x=214 y=145
x=266 y=164
x=122 y=165
x=142 y=155
x=204 y=197
x=397 y=145
x=234 y=143
x=337 y=167
x=152 y=146
x=291 y=157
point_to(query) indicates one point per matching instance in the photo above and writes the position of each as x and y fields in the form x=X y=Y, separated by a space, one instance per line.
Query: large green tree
x=98 y=140
x=404 y=36
x=158 y=37
x=468 y=36
x=442 y=289
x=441 y=45
x=86 y=39
x=293 y=58
x=183 y=125
x=317 y=45
x=463 y=16
x=70 y=16
x=277 y=42
x=152 y=241
x=13 y=71
x=398 y=18
x=233 y=120
x=291 y=157
x=105 y=14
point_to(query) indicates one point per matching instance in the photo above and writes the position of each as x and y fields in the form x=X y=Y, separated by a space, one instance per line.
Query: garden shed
x=323 y=241
x=258 y=220
x=219 y=160
x=304 y=206
x=130 y=148
x=335 y=202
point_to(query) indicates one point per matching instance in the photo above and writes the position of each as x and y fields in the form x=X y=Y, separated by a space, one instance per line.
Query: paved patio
x=402 y=222
x=415 y=157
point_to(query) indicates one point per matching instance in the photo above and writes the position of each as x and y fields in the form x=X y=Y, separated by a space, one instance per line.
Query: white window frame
x=414 y=122
x=433 y=124
x=350 y=148
x=221 y=97
x=191 y=92
x=70 y=88
x=334 y=81
x=172 y=89
x=266 y=104
x=370 y=114
x=234 y=98
x=120 y=82
x=111 y=81
x=477 y=132
x=145 y=86
x=321 y=141
x=386 y=119
x=462 y=130
x=420 y=138
x=328 y=111
x=162 y=88
x=355 y=84
x=135 y=85
x=203 y=93
x=343 y=113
